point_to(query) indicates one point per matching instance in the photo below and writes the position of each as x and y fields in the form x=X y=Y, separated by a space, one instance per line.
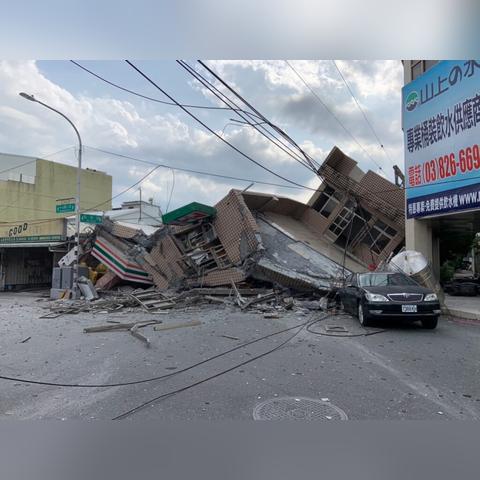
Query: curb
x=460 y=316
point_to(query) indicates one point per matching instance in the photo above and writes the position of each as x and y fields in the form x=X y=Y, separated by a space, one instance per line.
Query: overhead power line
x=309 y=160
x=315 y=94
x=235 y=109
x=198 y=172
x=35 y=159
x=363 y=112
x=302 y=156
x=133 y=92
x=6 y=207
x=212 y=131
x=95 y=207
x=258 y=126
x=157 y=165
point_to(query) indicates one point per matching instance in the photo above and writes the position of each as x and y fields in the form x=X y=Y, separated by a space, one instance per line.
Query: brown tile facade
x=379 y=225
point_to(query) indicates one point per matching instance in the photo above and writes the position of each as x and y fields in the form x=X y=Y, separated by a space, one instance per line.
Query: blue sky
x=120 y=122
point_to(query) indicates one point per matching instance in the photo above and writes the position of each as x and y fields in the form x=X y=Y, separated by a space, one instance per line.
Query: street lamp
x=77 y=198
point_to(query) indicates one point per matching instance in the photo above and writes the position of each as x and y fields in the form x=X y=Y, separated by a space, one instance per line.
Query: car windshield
x=384 y=279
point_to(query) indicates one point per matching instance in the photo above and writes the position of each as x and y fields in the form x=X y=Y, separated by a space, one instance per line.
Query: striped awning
x=117 y=262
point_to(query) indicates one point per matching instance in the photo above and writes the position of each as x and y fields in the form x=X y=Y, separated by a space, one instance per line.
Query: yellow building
x=32 y=233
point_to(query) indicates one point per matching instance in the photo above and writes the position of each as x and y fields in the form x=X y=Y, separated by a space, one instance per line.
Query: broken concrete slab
x=87 y=288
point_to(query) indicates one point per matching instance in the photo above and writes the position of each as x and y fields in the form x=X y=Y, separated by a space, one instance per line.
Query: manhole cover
x=297 y=408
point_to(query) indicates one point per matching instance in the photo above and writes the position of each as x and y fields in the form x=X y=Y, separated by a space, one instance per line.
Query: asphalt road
x=402 y=372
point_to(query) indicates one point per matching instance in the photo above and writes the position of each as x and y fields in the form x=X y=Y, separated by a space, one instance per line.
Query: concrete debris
x=107 y=281
x=259 y=299
x=87 y=288
x=250 y=251
x=271 y=315
x=310 y=304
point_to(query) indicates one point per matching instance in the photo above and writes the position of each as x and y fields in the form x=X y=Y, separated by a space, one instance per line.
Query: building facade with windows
x=32 y=233
x=359 y=211
x=412 y=69
x=441 y=126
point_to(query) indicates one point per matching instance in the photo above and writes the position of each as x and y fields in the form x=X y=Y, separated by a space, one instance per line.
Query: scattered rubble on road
x=251 y=252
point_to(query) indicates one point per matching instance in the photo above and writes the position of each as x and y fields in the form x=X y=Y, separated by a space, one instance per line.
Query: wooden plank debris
x=259 y=299
x=226 y=291
x=229 y=337
x=192 y=323
x=239 y=299
x=216 y=300
x=152 y=299
x=134 y=331
x=119 y=326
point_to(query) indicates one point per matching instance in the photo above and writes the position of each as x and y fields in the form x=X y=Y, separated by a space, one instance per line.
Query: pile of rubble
x=153 y=300
x=250 y=251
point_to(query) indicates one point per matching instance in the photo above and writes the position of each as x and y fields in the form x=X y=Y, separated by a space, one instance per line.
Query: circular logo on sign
x=412 y=101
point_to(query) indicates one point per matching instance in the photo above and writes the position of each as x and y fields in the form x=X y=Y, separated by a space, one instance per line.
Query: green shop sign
x=65 y=208
x=86 y=218
x=32 y=239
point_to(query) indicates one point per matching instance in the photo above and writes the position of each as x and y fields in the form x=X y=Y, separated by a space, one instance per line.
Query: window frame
x=334 y=197
x=423 y=67
x=374 y=238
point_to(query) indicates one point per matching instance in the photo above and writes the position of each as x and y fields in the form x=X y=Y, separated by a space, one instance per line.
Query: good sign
x=18 y=229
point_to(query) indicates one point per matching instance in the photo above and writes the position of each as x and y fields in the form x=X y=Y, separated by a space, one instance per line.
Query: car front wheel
x=430 y=323
x=362 y=317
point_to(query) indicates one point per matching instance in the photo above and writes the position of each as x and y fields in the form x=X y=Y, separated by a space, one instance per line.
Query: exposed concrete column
x=419 y=237
x=436 y=256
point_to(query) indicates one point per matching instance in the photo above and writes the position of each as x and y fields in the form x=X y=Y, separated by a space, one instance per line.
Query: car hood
x=398 y=289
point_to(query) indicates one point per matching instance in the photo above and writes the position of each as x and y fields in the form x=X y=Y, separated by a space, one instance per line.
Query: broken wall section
x=207 y=253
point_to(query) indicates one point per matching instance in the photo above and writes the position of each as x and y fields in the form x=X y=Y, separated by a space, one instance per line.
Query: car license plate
x=409 y=309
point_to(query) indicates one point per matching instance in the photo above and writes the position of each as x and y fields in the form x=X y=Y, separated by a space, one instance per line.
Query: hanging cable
x=198 y=172
x=310 y=161
x=363 y=113
x=262 y=129
x=314 y=93
x=204 y=107
x=34 y=222
x=213 y=132
x=257 y=126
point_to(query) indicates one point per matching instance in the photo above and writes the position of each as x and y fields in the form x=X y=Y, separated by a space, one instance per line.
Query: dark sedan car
x=386 y=295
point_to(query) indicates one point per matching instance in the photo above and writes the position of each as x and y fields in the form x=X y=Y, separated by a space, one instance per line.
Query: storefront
x=441 y=125
x=28 y=251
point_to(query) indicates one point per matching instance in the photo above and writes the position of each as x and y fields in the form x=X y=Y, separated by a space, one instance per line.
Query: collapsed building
x=355 y=220
x=360 y=211
x=245 y=236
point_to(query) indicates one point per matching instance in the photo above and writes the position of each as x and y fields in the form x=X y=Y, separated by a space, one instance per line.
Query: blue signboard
x=441 y=126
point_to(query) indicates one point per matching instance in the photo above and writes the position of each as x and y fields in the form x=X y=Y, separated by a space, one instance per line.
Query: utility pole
x=77 y=197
